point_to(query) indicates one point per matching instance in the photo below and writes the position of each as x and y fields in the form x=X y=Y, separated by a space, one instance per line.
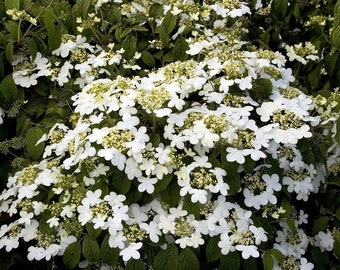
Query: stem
x=154 y=126
x=18 y=33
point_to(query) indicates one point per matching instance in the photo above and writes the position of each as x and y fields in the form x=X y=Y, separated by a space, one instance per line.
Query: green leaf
x=9 y=89
x=337 y=9
x=129 y=44
x=320 y=259
x=337 y=134
x=261 y=89
x=118 y=34
x=250 y=264
x=163 y=183
x=213 y=252
x=90 y=249
x=277 y=254
x=139 y=28
x=336 y=248
x=330 y=62
x=314 y=76
x=164 y=37
x=167 y=259
x=279 y=8
x=180 y=48
x=148 y=58
x=155 y=139
x=188 y=260
x=23 y=123
x=9 y=51
x=169 y=22
x=171 y=194
x=150 y=252
x=71 y=255
x=109 y=255
x=2 y=12
x=14 y=30
x=230 y=261
x=92 y=232
x=134 y=195
x=192 y=208
x=12 y=4
x=320 y=224
x=5 y=169
x=156 y=10
x=125 y=32
x=32 y=136
x=169 y=57
x=135 y=265
x=82 y=7
x=2 y=70
x=337 y=213
x=308 y=157
x=268 y=261
x=120 y=181
x=70 y=22
x=115 y=14
x=44 y=227
x=287 y=207
x=335 y=37
x=53 y=33
x=32 y=46
x=249 y=164
x=297 y=12
x=233 y=177
x=291 y=225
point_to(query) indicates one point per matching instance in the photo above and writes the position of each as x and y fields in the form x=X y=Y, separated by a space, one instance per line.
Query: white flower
x=199 y=195
x=147 y=184
x=29 y=232
x=302 y=219
x=225 y=244
x=259 y=234
x=2 y=115
x=53 y=222
x=31 y=71
x=272 y=181
x=100 y=222
x=67 y=211
x=117 y=240
x=28 y=191
x=305 y=265
x=237 y=155
x=92 y=198
x=131 y=251
x=248 y=251
x=35 y=253
x=25 y=217
x=324 y=240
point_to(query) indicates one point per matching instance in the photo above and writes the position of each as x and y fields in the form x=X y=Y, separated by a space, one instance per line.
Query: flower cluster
x=195 y=149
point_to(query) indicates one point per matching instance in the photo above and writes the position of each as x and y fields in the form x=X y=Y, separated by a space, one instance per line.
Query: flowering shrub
x=170 y=139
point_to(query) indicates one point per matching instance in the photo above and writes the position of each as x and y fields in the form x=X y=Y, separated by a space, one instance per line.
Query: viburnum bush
x=171 y=134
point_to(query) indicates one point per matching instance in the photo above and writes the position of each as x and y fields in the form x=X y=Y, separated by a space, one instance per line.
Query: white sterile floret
x=300 y=181
x=147 y=184
x=290 y=242
x=261 y=191
x=2 y=115
x=131 y=251
x=27 y=72
x=96 y=95
x=324 y=240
